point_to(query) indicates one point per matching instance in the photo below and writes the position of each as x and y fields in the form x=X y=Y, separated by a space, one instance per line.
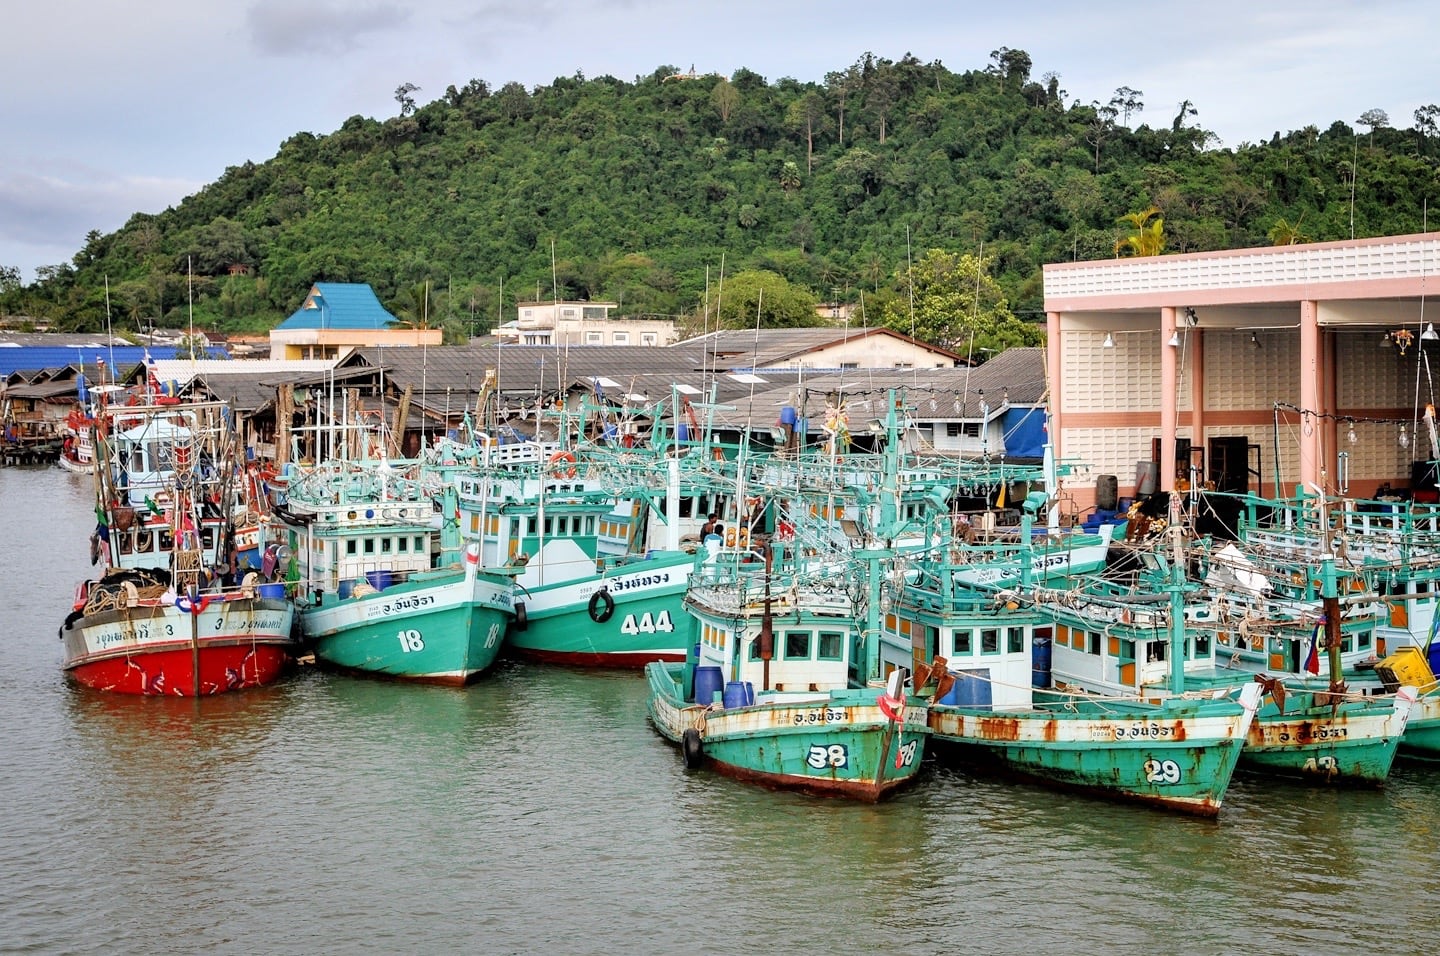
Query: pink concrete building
x=1249 y=368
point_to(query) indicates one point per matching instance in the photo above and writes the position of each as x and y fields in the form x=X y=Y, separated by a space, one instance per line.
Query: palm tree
x=1148 y=238
x=415 y=309
x=1286 y=233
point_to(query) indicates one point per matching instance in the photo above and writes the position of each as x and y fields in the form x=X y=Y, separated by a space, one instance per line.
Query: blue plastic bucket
x=1435 y=658
x=274 y=592
x=738 y=694
x=1040 y=662
x=682 y=432
x=971 y=689
x=709 y=681
x=347 y=588
x=380 y=580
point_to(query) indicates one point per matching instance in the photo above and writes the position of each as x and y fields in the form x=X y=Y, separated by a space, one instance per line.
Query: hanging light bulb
x=1350 y=435
x=1404 y=437
x=1174 y=339
x=1109 y=342
x=1429 y=335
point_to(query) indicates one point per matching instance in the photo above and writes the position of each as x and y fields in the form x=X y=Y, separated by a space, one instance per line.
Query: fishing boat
x=591 y=590
x=785 y=684
x=167 y=616
x=382 y=583
x=767 y=694
x=1116 y=638
x=983 y=652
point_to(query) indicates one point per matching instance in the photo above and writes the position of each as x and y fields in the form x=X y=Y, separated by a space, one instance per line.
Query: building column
x=1053 y=372
x=1195 y=359
x=1169 y=399
x=1311 y=425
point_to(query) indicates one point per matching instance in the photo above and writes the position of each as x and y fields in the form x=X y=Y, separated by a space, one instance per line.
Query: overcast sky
x=112 y=108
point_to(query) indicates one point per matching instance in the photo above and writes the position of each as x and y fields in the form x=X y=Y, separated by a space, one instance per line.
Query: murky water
x=536 y=811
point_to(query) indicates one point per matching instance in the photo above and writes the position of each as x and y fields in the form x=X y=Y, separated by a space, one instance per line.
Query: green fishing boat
x=382 y=586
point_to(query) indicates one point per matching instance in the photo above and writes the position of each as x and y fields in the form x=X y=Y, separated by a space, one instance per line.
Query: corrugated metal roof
x=87 y=351
x=340 y=305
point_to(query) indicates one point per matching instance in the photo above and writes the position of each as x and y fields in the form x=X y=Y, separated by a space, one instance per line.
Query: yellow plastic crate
x=1405 y=667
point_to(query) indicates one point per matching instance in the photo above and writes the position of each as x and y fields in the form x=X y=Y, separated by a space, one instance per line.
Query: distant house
x=822 y=348
x=338 y=316
x=582 y=323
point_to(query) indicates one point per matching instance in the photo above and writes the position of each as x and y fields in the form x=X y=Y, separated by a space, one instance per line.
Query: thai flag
x=1312 y=660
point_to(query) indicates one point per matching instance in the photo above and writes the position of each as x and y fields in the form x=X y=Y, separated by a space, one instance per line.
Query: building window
x=831 y=646
x=847 y=365
x=904 y=365
x=621 y=338
x=594 y=312
x=990 y=640
x=952 y=429
x=594 y=338
x=569 y=313
x=1015 y=640
x=960 y=644
x=649 y=338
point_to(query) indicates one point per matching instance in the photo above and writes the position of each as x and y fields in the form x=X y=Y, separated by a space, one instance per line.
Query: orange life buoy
x=562 y=464
x=730 y=538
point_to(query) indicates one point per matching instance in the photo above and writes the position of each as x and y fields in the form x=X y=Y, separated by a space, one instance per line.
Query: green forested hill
x=642 y=190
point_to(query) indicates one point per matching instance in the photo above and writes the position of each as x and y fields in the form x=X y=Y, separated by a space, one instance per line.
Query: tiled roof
x=340 y=305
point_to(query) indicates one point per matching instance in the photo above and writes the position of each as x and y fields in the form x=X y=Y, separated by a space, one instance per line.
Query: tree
x=9 y=279
x=789 y=176
x=403 y=97
x=840 y=83
x=1148 y=234
x=1100 y=128
x=803 y=114
x=1286 y=233
x=884 y=89
x=1008 y=65
x=1375 y=119
x=1187 y=109
x=1427 y=120
x=956 y=305
x=762 y=296
x=1127 y=101
x=725 y=97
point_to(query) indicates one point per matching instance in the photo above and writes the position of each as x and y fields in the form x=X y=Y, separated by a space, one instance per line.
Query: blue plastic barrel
x=709 y=681
x=347 y=587
x=787 y=414
x=380 y=580
x=971 y=689
x=1040 y=662
x=682 y=432
x=738 y=694
x=1435 y=658
x=274 y=592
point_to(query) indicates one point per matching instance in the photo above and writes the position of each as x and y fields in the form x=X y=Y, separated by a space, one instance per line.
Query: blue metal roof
x=340 y=305
x=119 y=358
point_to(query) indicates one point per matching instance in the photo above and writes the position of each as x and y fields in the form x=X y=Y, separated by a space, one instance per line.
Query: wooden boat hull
x=442 y=628
x=640 y=619
x=840 y=743
x=1178 y=755
x=1353 y=743
x=155 y=649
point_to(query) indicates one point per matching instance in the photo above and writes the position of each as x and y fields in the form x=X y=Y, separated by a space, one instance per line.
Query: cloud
x=46 y=210
x=288 y=28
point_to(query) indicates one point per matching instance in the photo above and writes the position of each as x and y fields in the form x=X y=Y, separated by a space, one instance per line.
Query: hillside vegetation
x=646 y=192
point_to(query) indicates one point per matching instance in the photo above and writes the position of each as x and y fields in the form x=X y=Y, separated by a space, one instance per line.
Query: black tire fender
x=522 y=619
x=692 y=748
x=602 y=605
